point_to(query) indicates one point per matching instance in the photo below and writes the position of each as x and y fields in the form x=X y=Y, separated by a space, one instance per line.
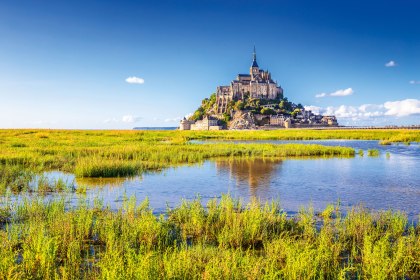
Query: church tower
x=254 y=70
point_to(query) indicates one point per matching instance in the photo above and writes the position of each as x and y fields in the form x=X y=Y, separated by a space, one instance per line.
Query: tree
x=198 y=114
x=239 y=105
x=267 y=111
x=295 y=112
x=226 y=117
x=285 y=105
x=282 y=104
x=213 y=97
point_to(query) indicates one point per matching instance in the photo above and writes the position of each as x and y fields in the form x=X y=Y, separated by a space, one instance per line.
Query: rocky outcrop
x=242 y=120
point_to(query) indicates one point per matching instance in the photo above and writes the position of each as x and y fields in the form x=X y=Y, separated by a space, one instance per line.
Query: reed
x=224 y=239
x=373 y=153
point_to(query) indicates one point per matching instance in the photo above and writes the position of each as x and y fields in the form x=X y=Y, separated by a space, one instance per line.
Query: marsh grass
x=373 y=153
x=17 y=179
x=127 y=153
x=43 y=184
x=226 y=239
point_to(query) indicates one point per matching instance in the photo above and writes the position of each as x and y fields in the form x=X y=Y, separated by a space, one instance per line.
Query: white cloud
x=130 y=119
x=187 y=116
x=134 y=80
x=321 y=95
x=391 y=63
x=371 y=110
x=340 y=92
x=402 y=108
x=345 y=111
x=315 y=109
x=413 y=82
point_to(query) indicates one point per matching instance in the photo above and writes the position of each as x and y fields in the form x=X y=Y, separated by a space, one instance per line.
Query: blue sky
x=64 y=64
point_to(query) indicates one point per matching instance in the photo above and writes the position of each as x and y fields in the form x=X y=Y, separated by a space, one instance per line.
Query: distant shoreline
x=295 y=128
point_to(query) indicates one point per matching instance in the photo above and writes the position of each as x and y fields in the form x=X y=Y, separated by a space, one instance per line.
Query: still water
x=389 y=181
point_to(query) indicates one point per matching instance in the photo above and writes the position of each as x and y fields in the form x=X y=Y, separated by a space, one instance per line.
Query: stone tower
x=254 y=70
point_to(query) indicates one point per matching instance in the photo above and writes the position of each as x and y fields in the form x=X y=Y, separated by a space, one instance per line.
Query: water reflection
x=257 y=173
x=105 y=182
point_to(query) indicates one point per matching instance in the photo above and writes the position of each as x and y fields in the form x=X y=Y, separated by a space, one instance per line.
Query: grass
x=125 y=153
x=17 y=179
x=373 y=153
x=42 y=238
x=226 y=239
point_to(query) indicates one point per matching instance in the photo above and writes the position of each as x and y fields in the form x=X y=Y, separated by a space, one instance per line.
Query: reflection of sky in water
x=376 y=182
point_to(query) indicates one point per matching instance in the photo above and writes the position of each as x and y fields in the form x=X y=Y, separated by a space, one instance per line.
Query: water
x=385 y=182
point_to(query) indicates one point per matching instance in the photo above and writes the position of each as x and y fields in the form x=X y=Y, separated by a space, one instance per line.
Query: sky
x=124 y=64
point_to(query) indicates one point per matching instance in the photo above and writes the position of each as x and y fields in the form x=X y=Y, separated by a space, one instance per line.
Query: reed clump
x=373 y=152
x=225 y=239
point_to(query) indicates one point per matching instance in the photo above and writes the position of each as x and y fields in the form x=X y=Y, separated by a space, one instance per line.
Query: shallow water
x=385 y=182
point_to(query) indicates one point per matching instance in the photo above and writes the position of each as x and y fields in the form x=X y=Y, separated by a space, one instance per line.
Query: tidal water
x=389 y=181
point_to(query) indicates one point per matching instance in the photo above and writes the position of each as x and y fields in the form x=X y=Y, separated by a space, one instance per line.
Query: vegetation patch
x=127 y=153
x=373 y=152
x=225 y=239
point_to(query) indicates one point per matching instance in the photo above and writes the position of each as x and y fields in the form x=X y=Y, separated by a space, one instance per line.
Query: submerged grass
x=373 y=152
x=224 y=240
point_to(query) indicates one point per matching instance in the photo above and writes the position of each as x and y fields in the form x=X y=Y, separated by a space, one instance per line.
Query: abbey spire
x=254 y=70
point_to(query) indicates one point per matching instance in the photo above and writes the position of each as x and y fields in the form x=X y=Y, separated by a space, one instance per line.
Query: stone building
x=329 y=120
x=256 y=84
x=277 y=120
x=207 y=123
x=185 y=124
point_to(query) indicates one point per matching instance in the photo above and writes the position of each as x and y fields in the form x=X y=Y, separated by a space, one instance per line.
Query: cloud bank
x=399 y=108
x=340 y=92
x=402 y=108
x=134 y=80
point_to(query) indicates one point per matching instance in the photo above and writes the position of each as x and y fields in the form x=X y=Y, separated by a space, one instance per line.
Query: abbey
x=256 y=84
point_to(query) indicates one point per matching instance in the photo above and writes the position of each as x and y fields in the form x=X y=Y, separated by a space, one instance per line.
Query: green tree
x=239 y=105
x=267 y=111
x=295 y=112
x=282 y=105
x=198 y=114
x=226 y=117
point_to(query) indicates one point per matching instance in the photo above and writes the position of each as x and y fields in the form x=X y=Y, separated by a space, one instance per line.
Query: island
x=252 y=101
